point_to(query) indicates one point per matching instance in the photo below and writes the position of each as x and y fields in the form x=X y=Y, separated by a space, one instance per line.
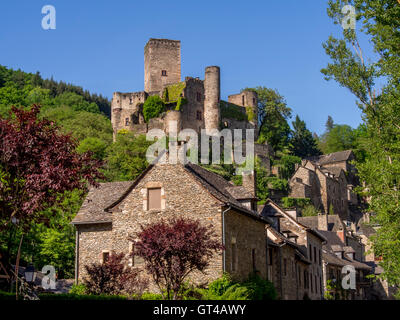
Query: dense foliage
x=153 y=107
x=113 y=277
x=379 y=20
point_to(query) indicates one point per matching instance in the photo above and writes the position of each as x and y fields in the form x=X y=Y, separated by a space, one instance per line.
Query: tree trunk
x=17 y=266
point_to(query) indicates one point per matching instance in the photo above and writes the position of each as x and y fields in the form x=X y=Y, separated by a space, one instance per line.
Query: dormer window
x=164 y=73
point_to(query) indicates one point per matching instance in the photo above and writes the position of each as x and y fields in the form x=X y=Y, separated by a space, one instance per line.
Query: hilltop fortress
x=193 y=103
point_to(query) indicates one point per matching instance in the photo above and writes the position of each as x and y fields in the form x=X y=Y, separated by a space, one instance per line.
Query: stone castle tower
x=193 y=103
x=162 y=64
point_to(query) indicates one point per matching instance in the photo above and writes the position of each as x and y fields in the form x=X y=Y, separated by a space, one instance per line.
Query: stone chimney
x=341 y=234
x=249 y=181
x=322 y=221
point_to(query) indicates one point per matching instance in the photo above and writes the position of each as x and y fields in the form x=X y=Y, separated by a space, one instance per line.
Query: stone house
x=342 y=248
x=308 y=242
x=328 y=181
x=115 y=211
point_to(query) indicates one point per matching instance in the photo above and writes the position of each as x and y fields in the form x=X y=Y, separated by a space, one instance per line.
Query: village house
x=115 y=211
x=307 y=273
x=328 y=181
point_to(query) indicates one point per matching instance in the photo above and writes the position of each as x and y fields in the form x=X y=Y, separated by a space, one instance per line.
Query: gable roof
x=332 y=157
x=92 y=209
x=334 y=222
x=272 y=209
x=99 y=203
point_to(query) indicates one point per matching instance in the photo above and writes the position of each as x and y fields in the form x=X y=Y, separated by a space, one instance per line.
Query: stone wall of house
x=93 y=240
x=181 y=195
x=245 y=240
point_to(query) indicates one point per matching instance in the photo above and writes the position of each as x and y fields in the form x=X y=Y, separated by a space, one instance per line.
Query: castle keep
x=195 y=104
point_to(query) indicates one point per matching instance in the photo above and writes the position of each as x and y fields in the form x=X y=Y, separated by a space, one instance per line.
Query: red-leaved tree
x=172 y=250
x=114 y=277
x=37 y=164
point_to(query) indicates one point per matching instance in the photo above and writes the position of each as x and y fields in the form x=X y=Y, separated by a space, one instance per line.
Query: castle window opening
x=130 y=100
x=198 y=96
x=164 y=73
x=154 y=199
x=242 y=100
x=105 y=256
x=126 y=121
x=198 y=115
x=254 y=100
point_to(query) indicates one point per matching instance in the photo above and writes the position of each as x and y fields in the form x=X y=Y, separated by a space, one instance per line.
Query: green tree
x=380 y=105
x=126 y=158
x=273 y=114
x=339 y=138
x=153 y=107
x=302 y=141
x=329 y=124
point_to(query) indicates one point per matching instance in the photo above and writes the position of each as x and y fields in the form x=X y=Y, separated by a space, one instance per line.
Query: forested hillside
x=85 y=117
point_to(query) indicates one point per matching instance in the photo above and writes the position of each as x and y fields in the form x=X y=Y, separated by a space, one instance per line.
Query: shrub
x=69 y=296
x=153 y=107
x=151 y=296
x=295 y=202
x=218 y=287
x=255 y=288
x=309 y=211
x=79 y=289
x=113 y=277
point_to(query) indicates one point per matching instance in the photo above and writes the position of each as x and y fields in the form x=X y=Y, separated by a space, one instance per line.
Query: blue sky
x=99 y=46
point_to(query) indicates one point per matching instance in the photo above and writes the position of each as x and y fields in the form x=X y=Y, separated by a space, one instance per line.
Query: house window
x=198 y=96
x=284 y=267
x=270 y=256
x=198 y=115
x=105 y=256
x=315 y=254
x=154 y=199
x=126 y=121
x=299 y=273
x=164 y=73
x=253 y=258
x=310 y=252
x=234 y=255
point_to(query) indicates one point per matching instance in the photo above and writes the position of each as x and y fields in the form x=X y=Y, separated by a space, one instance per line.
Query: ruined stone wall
x=126 y=110
x=161 y=55
x=193 y=110
x=247 y=99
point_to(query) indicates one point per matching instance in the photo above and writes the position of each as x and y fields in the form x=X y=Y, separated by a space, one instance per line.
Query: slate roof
x=331 y=258
x=334 y=222
x=92 y=209
x=332 y=157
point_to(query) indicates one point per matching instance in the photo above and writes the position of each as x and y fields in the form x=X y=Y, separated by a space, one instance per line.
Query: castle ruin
x=193 y=103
